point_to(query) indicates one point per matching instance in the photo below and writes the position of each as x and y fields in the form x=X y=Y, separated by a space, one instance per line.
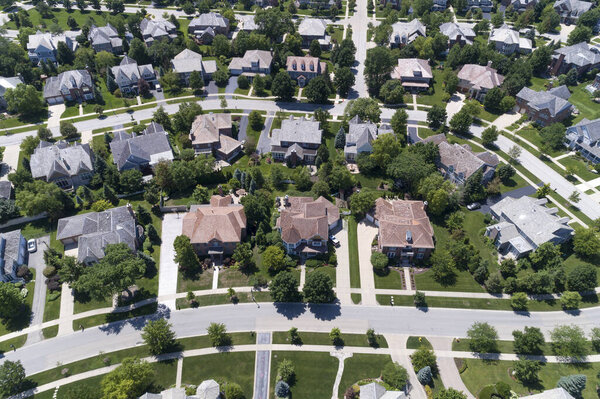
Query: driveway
x=167 y=273
x=159 y=95
x=263 y=367
x=454 y=105
x=366 y=233
x=10 y=161
x=447 y=368
x=243 y=126
x=505 y=120
x=518 y=193
x=231 y=86
x=36 y=262
x=54 y=113
x=342 y=271
x=413 y=137
x=264 y=141
x=212 y=88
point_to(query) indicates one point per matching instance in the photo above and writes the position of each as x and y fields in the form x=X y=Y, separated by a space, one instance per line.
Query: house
x=157 y=29
x=439 y=5
x=404 y=33
x=314 y=29
x=592 y=88
x=484 y=5
x=584 y=137
x=128 y=73
x=5 y=84
x=414 y=74
x=457 y=33
x=143 y=150
x=211 y=134
x=556 y=393
x=458 y=162
x=92 y=232
x=189 y=61
x=43 y=46
x=582 y=56
x=507 y=41
x=318 y=4
x=395 y=4
x=215 y=229
x=477 y=80
x=76 y=85
x=520 y=5
x=246 y=23
x=105 y=38
x=545 y=107
x=208 y=389
x=5 y=189
x=68 y=166
x=376 y=391
x=303 y=69
x=570 y=10
x=524 y=224
x=404 y=230
x=13 y=254
x=360 y=136
x=254 y=62
x=205 y=27
x=296 y=141
x=304 y=225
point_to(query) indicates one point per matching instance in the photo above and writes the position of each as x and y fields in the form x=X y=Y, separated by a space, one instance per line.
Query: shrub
x=282 y=389
x=49 y=271
x=379 y=261
x=503 y=389
x=424 y=375
x=22 y=271
x=286 y=371
x=394 y=375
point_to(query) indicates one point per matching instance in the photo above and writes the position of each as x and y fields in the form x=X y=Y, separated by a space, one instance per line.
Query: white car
x=335 y=240
x=31 y=245
x=473 y=206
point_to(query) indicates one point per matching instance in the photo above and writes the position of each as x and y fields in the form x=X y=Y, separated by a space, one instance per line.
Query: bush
x=49 y=271
x=23 y=271
x=379 y=261
x=314 y=263
x=282 y=390
x=394 y=375
x=503 y=389
x=424 y=375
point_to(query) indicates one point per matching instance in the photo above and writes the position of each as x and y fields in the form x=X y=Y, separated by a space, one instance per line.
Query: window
x=391 y=255
x=316 y=243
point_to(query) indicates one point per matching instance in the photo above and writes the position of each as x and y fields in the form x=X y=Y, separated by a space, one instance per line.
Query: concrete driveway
x=454 y=105
x=243 y=126
x=159 y=95
x=413 y=137
x=264 y=141
x=366 y=233
x=10 y=161
x=36 y=262
x=263 y=367
x=167 y=273
x=231 y=86
x=54 y=113
x=212 y=88
x=342 y=271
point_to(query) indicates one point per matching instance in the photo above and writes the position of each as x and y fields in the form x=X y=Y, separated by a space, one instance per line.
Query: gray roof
x=312 y=27
x=556 y=393
x=5 y=189
x=67 y=80
x=50 y=41
x=9 y=83
x=187 y=61
x=554 y=100
x=157 y=28
x=359 y=134
x=246 y=22
x=95 y=230
x=213 y=19
x=130 y=68
x=300 y=131
x=52 y=161
x=455 y=31
x=572 y=8
x=103 y=35
x=406 y=32
x=149 y=147
x=376 y=391
x=580 y=54
x=589 y=129
x=262 y=57
x=12 y=251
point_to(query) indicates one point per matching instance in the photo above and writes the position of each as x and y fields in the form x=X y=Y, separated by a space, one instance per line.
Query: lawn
x=52 y=306
x=580 y=166
x=203 y=281
x=360 y=367
x=514 y=183
x=232 y=277
x=61 y=17
x=235 y=367
x=582 y=99
x=105 y=318
x=353 y=253
x=392 y=279
x=438 y=91
x=311 y=382
x=538 y=83
x=417 y=342
x=315 y=338
x=328 y=270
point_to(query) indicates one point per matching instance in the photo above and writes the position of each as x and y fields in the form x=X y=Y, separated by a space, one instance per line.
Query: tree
x=483 y=338
x=436 y=116
x=419 y=299
x=64 y=55
x=424 y=357
x=314 y=48
x=489 y=136
x=273 y=22
x=138 y=51
x=514 y=153
x=217 y=333
x=159 y=336
x=461 y=122
x=11 y=301
x=29 y=144
x=185 y=256
x=255 y=120
x=586 y=243
x=595 y=338
x=335 y=335
x=450 y=393
x=546 y=256
x=530 y=341
x=392 y=92
x=131 y=181
x=378 y=65
x=492 y=99
x=282 y=389
x=38 y=196
x=343 y=81
x=23 y=99
x=196 y=81
x=284 y=287
x=505 y=172
x=474 y=189
x=362 y=202
x=318 y=288
x=286 y=371
x=12 y=376
x=553 y=136
x=543 y=191
x=398 y=123
x=283 y=86
x=8 y=210
x=274 y=258
x=424 y=375
x=579 y=34
x=129 y=380
x=68 y=130
x=519 y=300
x=170 y=82
x=367 y=109
x=379 y=261
x=582 y=278
x=394 y=375
x=570 y=300
x=317 y=90
x=340 y=139
x=526 y=370
x=569 y=341
x=573 y=384
x=242 y=254
x=385 y=148
x=443 y=266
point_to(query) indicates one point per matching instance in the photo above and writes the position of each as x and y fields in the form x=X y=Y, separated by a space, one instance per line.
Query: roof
x=588 y=129
x=306 y=63
x=212 y=19
x=95 y=230
x=359 y=134
x=573 y=8
x=304 y=218
x=262 y=57
x=509 y=36
x=312 y=27
x=537 y=223
x=51 y=161
x=206 y=128
x=406 y=32
x=149 y=147
x=462 y=159
x=553 y=100
x=187 y=61
x=412 y=68
x=157 y=28
x=301 y=131
x=49 y=41
x=130 y=69
x=9 y=83
x=580 y=54
x=221 y=220
x=5 y=189
x=12 y=251
x=65 y=81
x=479 y=76
x=246 y=22
x=208 y=389
x=458 y=31
x=403 y=223
x=556 y=393
x=103 y=35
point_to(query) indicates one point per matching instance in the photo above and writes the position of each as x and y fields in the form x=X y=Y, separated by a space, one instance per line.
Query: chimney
x=220 y=188
x=555 y=66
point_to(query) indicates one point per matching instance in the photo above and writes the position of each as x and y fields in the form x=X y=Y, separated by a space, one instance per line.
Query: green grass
x=52 y=306
x=328 y=270
x=18 y=341
x=50 y=332
x=514 y=183
x=507 y=347
x=538 y=83
x=199 y=282
x=61 y=16
x=356 y=298
x=84 y=304
x=392 y=279
x=100 y=319
x=315 y=373
x=222 y=299
x=315 y=338
x=417 y=342
x=353 y=253
x=360 y=367
x=438 y=91
x=233 y=278
x=581 y=166
x=582 y=99
x=71 y=110
x=235 y=367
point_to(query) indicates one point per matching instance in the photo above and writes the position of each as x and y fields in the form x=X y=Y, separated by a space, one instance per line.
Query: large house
x=13 y=254
x=458 y=162
x=477 y=80
x=414 y=74
x=296 y=141
x=254 y=62
x=304 y=225
x=484 y=5
x=68 y=166
x=43 y=46
x=208 y=389
x=360 y=136
x=189 y=61
x=76 y=85
x=405 y=232
x=404 y=33
x=303 y=69
x=143 y=150
x=92 y=232
x=211 y=134
x=128 y=74
x=314 y=29
x=582 y=56
x=375 y=390
x=105 y=38
x=457 y=33
x=584 y=137
x=508 y=41
x=215 y=229
x=205 y=27
x=524 y=224
x=556 y=393
x=157 y=29
x=545 y=107
x=571 y=10
x=520 y=5
x=5 y=84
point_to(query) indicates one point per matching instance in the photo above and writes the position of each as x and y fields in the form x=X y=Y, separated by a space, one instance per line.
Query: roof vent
x=409 y=236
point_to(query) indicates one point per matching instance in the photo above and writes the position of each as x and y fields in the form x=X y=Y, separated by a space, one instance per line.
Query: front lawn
x=580 y=166
x=391 y=278
x=328 y=270
x=353 y=253
x=360 y=367
x=202 y=281
x=315 y=373
x=438 y=91
x=582 y=99
x=61 y=16
x=514 y=183
x=317 y=338
x=235 y=367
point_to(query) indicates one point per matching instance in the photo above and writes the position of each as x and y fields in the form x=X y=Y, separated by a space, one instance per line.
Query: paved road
x=263 y=367
x=359 y=23
x=36 y=261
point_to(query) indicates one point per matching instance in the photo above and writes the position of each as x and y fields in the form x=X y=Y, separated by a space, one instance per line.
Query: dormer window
x=303 y=66
x=294 y=66
x=312 y=66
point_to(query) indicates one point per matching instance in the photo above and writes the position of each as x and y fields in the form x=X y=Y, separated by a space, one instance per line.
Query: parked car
x=473 y=206
x=31 y=245
x=334 y=240
x=158 y=88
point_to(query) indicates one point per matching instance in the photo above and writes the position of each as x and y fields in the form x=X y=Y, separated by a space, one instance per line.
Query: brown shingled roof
x=397 y=218
x=221 y=220
x=304 y=218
